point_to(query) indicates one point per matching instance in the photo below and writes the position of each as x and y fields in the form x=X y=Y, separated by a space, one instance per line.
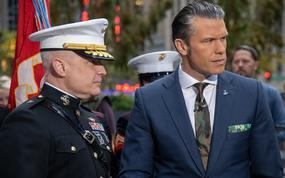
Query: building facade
x=162 y=38
x=8 y=15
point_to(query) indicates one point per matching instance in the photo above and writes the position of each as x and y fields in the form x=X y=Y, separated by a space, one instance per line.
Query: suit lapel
x=224 y=100
x=175 y=103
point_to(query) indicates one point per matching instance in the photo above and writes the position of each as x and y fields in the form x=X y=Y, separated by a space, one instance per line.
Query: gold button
x=77 y=113
x=73 y=148
x=95 y=155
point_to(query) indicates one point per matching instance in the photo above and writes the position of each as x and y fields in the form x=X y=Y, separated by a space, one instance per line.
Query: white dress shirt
x=189 y=94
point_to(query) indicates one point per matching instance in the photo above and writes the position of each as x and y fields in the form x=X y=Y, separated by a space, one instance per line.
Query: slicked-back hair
x=182 y=27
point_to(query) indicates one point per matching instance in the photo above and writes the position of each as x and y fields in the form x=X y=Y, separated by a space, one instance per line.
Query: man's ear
x=256 y=65
x=181 y=47
x=59 y=66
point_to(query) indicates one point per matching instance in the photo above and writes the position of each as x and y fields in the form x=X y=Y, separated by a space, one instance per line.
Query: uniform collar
x=60 y=97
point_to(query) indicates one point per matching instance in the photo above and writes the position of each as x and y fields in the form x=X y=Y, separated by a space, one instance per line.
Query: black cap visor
x=95 y=55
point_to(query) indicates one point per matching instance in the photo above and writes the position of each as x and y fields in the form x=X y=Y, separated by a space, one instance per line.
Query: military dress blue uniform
x=4 y=111
x=42 y=138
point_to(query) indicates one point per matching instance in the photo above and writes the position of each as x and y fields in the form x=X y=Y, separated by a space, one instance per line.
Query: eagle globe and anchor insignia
x=65 y=100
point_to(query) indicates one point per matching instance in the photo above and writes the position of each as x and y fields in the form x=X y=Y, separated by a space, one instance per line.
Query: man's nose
x=102 y=71
x=221 y=47
x=240 y=63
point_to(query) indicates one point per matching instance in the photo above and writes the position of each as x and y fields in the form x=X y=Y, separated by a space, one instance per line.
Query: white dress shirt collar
x=60 y=90
x=187 y=80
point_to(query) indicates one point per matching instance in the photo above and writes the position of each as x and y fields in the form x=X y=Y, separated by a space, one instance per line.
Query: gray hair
x=182 y=27
x=47 y=57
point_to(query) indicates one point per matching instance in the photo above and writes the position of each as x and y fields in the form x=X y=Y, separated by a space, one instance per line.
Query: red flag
x=27 y=65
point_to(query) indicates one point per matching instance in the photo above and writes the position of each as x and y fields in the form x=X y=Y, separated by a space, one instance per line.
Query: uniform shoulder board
x=34 y=101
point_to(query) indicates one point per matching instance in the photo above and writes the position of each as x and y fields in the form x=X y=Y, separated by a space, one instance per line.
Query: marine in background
x=150 y=67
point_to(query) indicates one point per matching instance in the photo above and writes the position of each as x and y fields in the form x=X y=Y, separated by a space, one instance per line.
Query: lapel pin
x=225 y=92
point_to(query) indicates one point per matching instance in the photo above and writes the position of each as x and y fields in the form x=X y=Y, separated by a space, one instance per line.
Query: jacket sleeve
x=278 y=113
x=264 y=152
x=23 y=146
x=137 y=155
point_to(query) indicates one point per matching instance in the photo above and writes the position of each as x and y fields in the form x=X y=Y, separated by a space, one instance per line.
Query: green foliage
x=256 y=23
x=122 y=102
x=137 y=24
x=64 y=11
x=7 y=51
x=252 y=22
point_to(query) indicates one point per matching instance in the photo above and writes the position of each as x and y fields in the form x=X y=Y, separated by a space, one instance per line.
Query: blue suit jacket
x=276 y=108
x=160 y=141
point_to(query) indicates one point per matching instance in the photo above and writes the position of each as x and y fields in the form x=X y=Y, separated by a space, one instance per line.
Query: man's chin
x=216 y=72
x=96 y=92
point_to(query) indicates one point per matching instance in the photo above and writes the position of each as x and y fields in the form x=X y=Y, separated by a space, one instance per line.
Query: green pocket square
x=238 y=128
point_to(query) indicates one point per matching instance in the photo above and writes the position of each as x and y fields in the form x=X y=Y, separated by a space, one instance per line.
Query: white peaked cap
x=160 y=61
x=86 y=37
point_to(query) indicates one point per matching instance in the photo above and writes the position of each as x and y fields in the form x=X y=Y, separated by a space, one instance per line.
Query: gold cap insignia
x=162 y=56
x=77 y=112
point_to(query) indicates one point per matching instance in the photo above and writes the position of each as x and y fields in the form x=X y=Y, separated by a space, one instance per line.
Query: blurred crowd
x=5 y=82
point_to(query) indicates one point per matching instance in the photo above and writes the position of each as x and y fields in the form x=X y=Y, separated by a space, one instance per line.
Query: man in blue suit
x=245 y=61
x=220 y=130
